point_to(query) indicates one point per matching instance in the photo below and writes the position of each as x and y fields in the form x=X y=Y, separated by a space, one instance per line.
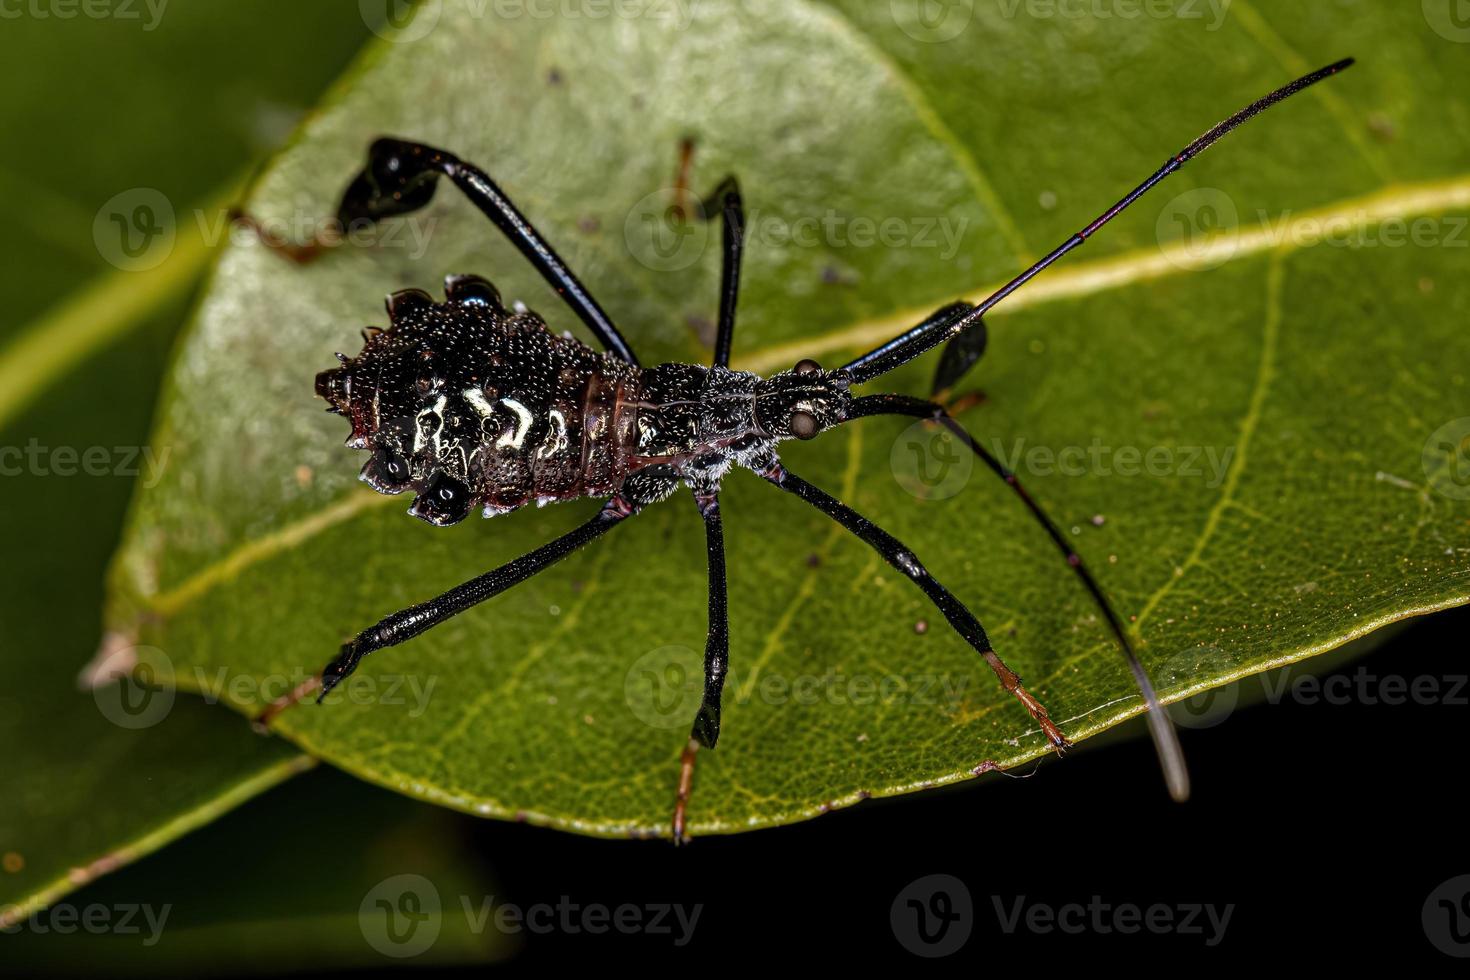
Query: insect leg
x=408 y=623
x=1171 y=756
x=727 y=202
x=400 y=177
x=727 y=198
x=706 y=729
x=301 y=254
x=896 y=554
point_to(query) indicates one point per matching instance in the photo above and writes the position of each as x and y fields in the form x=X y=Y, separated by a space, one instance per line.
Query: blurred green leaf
x=93 y=781
x=306 y=867
x=1239 y=427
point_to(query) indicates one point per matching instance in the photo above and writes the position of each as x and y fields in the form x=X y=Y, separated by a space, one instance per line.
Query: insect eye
x=807 y=366
x=396 y=468
x=443 y=501
x=386 y=472
x=803 y=425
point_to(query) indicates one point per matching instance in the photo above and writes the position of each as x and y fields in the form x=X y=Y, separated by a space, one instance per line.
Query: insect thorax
x=467 y=403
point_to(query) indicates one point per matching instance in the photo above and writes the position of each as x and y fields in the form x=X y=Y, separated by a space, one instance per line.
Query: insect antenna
x=909 y=345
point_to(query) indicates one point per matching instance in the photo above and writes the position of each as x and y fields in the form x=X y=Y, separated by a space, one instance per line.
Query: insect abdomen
x=469 y=404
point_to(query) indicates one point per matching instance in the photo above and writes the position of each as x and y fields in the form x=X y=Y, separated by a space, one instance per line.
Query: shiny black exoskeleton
x=470 y=404
x=467 y=403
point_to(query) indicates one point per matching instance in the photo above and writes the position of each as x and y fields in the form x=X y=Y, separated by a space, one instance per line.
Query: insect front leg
x=706 y=730
x=408 y=623
x=400 y=177
x=896 y=554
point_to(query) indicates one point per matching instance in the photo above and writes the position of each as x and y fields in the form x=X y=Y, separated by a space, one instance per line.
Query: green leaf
x=87 y=788
x=1267 y=481
x=282 y=901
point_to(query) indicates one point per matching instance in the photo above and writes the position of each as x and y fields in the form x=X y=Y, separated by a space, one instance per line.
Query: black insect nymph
x=467 y=403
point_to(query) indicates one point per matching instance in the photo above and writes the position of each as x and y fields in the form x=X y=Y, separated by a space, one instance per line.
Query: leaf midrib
x=1082 y=279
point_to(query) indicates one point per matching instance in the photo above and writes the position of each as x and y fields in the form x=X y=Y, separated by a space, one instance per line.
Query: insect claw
x=342 y=357
x=335 y=671
x=262 y=722
x=686 y=783
x=707 y=725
